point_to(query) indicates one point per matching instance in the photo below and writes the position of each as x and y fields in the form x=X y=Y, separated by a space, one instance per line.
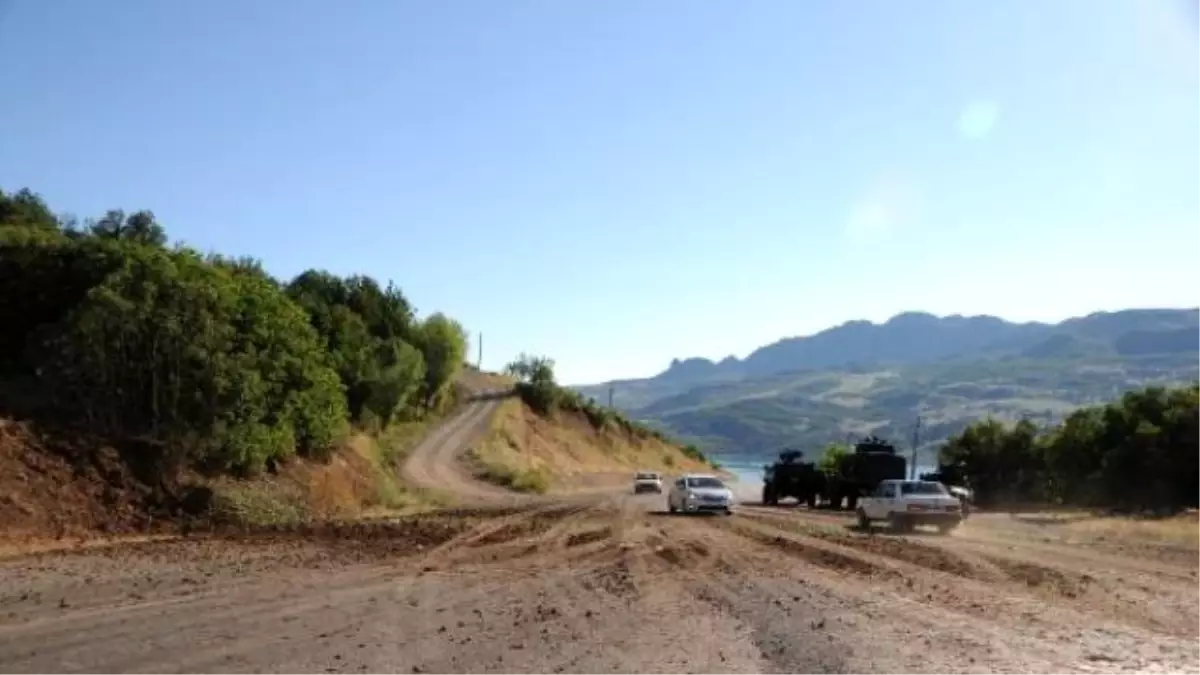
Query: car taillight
x=952 y=507
x=916 y=507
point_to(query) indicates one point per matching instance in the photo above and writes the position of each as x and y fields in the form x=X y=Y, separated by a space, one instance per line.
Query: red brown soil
x=66 y=484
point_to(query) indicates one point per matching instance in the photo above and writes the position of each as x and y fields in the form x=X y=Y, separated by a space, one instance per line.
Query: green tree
x=25 y=209
x=391 y=391
x=443 y=342
x=832 y=457
x=536 y=385
x=531 y=369
x=378 y=353
x=224 y=368
x=139 y=227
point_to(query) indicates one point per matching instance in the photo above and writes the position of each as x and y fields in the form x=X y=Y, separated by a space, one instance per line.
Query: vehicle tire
x=898 y=523
x=864 y=523
x=728 y=512
x=811 y=501
x=852 y=501
x=670 y=506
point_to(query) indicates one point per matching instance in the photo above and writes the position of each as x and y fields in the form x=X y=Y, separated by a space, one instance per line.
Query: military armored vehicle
x=789 y=476
x=954 y=480
x=873 y=461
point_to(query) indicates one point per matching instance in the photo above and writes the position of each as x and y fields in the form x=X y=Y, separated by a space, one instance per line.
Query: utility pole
x=610 y=395
x=479 y=362
x=916 y=440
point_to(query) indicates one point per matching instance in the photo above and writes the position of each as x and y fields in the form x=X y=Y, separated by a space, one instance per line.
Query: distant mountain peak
x=911 y=318
x=916 y=337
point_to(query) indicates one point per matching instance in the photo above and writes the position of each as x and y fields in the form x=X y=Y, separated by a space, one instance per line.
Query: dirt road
x=604 y=583
x=435 y=462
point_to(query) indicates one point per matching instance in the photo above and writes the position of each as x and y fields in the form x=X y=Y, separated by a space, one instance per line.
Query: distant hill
x=863 y=377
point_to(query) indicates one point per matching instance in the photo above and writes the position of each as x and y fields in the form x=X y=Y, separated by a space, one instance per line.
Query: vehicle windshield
x=647 y=476
x=922 y=488
x=705 y=482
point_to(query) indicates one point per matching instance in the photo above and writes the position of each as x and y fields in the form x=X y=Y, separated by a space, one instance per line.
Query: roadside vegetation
x=1137 y=454
x=832 y=457
x=550 y=437
x=537 y=387
x=213 y=365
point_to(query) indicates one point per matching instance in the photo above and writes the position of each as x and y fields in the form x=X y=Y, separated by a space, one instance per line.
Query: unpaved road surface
x=602 y=583
x=435 y=462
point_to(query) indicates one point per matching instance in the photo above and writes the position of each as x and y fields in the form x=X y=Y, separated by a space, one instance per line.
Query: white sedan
x=647 y=481
x=905 y=504
x=693 y=493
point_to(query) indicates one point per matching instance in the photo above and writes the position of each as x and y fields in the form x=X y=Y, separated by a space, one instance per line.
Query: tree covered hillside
x=108 y=329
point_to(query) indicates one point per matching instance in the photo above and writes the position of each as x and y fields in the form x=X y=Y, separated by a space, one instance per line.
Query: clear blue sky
x=616 y=183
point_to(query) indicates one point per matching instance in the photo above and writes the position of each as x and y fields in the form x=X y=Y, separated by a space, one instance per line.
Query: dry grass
x=565 y=452
x=1181 y=530
x=477 y=380
x=361 y=480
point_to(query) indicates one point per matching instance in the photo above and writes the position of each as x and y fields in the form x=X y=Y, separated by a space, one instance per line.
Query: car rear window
x=922 y=488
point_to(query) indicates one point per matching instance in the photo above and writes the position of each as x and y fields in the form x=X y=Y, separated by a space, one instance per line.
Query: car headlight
x=692 y=496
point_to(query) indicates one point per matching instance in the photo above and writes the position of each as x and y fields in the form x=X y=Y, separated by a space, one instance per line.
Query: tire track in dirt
x=874 y=543
x=593 y=583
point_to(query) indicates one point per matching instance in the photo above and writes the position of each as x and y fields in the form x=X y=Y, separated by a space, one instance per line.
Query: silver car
x=647 y=481
x=695 y=493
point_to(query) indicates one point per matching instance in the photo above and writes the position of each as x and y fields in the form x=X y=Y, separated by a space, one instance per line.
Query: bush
x=530 y=480
x=170 y=348
x=832 y=458
x=692 y=452
x=207 y=356
x=1135 y=454
x=537 y=388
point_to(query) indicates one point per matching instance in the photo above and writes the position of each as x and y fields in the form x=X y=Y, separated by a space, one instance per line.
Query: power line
x=916 y=440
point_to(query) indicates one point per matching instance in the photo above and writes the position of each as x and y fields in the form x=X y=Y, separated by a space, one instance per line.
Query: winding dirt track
x=434 y=463
x=602 y=583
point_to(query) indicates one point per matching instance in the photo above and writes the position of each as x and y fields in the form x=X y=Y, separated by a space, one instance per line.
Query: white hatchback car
x=693 y=493
x=647 y=481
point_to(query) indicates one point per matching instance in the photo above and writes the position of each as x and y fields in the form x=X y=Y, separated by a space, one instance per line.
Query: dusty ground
x=604 y=582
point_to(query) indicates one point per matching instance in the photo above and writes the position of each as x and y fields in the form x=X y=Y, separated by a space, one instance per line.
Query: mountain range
x=863 y=377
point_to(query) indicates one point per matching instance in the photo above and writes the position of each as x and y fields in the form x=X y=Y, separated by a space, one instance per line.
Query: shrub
x=206 y=355
x=692 y=452
x=170 y=348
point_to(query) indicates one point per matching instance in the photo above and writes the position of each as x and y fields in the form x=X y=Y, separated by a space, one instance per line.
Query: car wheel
x=864 y=523
x=897 y=522
x=670 y=506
